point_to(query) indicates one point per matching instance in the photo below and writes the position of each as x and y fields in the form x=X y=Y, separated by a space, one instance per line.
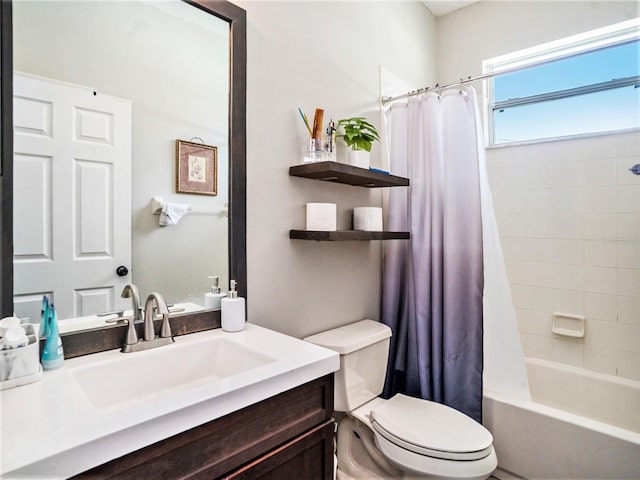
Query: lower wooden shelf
x=343 y=235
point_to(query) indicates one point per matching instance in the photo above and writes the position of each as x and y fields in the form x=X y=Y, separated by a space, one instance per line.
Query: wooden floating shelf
x=347 y=174
x=343 y=235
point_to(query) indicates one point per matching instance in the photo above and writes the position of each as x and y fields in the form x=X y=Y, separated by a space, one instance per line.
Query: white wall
x=568 y=211
x=490 y=28
x=308 y=55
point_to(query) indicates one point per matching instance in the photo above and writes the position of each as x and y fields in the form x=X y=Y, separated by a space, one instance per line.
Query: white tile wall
x=570 y=252
x=538 y=323
x=568 y=277
x=601 y=279
x=629 y=310
x=598 y=224
x=599 y=171
x=623 y=164
x=513 y=224
x=601 y=253
x=569 y=352
x=629 y=282
x=627 y=364
x=539 y=274
x=540 y=225
x=568 y=301
x=539 y=298
x=600 y=359
x=629 y=198
x=569 y=219
x=569 y=225
x=538 y=346
x=601 y=306
x=601 y=199
x=629 y=254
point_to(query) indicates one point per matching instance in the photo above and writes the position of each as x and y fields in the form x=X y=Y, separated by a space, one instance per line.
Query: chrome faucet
x=161 y=305
x=131 y=342
x=131 y=291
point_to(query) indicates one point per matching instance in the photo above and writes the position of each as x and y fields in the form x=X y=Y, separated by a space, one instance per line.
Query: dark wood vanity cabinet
x=288 y=436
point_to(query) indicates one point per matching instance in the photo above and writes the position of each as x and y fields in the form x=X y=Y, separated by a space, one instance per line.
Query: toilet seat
x=430 y=429
x=436 y=467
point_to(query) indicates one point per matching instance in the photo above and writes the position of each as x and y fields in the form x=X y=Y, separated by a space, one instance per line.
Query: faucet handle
x=132 y=336
x=165 y=329
x=163 y=309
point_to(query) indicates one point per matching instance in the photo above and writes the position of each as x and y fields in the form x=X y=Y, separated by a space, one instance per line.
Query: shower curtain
x=433 y=284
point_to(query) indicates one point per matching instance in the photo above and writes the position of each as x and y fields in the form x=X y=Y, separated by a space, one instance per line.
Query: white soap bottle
x=212 y=299
x=233 y=310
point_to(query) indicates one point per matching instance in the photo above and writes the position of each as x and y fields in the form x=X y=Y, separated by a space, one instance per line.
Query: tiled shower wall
x=568 y=212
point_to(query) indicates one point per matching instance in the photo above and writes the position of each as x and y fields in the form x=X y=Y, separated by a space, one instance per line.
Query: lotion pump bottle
x=213 y=298
x=233 y=310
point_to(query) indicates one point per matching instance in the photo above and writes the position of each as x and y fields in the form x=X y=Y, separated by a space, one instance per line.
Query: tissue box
x=321 y=217
x=368 y=219
x=19 y=366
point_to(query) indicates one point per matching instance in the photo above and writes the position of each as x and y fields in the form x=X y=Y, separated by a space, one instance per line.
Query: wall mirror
x=180 y=68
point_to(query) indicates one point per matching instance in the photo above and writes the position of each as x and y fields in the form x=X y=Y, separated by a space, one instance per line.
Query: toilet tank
x=364 y=349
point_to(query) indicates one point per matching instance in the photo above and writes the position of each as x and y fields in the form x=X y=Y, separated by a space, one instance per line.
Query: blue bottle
x=44 y=317
x=52 y=353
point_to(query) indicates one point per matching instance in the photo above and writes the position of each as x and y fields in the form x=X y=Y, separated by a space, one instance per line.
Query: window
x=584 y=84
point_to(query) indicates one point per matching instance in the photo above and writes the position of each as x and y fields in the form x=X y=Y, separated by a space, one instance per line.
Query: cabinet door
x=309 y=456
x=234 y=441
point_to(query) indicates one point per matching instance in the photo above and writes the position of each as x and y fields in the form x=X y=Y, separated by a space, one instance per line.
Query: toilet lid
x=430 y=428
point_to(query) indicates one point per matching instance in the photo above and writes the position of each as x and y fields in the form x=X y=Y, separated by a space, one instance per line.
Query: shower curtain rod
x=386 y=100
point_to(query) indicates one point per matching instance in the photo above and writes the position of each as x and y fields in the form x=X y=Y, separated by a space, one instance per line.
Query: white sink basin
x=102 y=406
x=144 y=375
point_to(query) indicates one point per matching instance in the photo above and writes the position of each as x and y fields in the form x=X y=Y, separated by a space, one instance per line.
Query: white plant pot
x=359 y=158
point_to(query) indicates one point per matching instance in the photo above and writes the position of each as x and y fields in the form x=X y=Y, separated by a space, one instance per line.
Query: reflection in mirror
x=105 y=90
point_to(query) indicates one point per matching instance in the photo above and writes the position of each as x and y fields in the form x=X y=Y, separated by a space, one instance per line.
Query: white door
x=72 y=197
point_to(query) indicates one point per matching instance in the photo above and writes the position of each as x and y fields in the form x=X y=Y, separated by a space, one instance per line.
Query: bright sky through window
x=587 y=92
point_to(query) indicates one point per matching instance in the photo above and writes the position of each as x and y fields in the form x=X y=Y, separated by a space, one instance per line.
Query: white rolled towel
x=171 y=213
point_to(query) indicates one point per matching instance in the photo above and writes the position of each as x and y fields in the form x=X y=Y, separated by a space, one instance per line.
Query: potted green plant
x=359 y=136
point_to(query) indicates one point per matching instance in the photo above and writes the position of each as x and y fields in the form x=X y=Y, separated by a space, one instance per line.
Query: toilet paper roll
x=321 y=216
x=368 y=219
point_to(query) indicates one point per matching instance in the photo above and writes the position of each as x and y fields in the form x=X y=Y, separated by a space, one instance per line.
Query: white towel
x=171 y=213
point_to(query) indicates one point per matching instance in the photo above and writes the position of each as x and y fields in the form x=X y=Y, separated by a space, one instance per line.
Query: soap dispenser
x=233 y=310
x=213 y=298
x=52 y=353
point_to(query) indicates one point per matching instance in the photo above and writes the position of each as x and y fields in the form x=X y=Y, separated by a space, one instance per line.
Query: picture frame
x=196 y=168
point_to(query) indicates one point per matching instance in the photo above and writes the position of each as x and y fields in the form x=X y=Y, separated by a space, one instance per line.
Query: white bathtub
x=579 y=424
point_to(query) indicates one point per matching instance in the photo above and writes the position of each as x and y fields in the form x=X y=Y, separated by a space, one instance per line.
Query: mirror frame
x=236 y=17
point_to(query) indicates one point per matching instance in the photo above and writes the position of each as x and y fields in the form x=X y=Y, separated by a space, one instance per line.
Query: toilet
x=403 y=437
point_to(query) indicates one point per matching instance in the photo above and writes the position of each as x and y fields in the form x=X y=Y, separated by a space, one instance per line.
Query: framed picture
x=197 y=168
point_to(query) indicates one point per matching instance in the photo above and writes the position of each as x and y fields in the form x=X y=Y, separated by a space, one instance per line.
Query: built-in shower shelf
x=347 y=174
x=568 y=325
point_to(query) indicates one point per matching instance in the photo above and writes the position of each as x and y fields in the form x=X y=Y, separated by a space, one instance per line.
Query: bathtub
x=579 y=424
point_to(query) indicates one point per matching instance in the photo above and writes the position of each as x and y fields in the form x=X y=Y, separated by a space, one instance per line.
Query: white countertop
x=50 y=429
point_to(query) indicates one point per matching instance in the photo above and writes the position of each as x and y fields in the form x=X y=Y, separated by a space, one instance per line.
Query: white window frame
x=516 y=61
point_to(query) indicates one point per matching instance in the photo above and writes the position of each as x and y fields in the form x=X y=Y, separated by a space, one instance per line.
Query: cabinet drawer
x=222 y=445
x=309 y=456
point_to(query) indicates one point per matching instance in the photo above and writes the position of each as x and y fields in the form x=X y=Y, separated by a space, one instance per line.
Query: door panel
x=72 y=197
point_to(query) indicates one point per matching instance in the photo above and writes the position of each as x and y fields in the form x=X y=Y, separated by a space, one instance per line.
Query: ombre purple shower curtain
x=433 y=284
